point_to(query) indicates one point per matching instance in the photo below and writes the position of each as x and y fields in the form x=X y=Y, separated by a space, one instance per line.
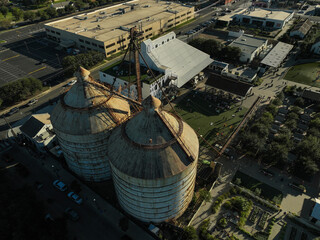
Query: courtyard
x=212 y=117
x=308 y=73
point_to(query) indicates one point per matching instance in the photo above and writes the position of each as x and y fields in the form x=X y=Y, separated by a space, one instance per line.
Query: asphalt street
x=94 y=223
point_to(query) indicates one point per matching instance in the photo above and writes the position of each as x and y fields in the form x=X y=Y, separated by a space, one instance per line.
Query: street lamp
x=95 y=201
x=55 y=170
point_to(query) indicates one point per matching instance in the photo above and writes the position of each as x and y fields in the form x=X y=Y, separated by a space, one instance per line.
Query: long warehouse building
x=107 y=30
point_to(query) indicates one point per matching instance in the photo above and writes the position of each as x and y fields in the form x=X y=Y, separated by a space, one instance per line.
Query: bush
x=190 y=233
x=227 y=205
x=223 y=222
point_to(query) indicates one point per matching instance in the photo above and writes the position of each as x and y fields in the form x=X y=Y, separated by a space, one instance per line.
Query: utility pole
x=26 y=46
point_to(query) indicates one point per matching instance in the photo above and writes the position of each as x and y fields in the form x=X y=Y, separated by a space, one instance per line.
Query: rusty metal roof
x=88 y=108
x=153 y=144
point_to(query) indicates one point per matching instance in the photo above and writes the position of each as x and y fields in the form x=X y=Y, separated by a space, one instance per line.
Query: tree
x=190 y=233
x=17 y=13
x=237 y=181
x=299 y=102
x=276 y=154
x=4 y=11
x=69 y=9
x=52 y=12
x=5 y=23
x=223 y=222
x=204 y=195
x=29 y=15
x=257 y=191
x=43 y=15
x=291 y=124
x=305 y=166
x=315 y=123
x=295 y=109
x=272 y=109
x=240 y=203
x=4 y=2
x=260 y=129
x=267 y=118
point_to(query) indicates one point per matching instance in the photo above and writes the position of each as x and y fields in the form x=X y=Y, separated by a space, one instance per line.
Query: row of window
x=89 y=43
x=148 y=29
x=52 y=31
x=164 y=41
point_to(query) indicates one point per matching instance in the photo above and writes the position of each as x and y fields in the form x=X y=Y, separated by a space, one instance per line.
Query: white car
x=75 y=197
x=33 y=101
x=60 y=185
x=72 y=82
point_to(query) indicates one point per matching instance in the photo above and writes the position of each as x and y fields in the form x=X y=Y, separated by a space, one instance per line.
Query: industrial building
x=172 y=61
x=250 y=47
x=82 y=121
x=153 y=157
x=265 y=18
x=107 y=30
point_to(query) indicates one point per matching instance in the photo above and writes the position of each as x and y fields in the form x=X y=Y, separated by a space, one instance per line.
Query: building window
x=104 y=75
x=177 y=23
x=110 y=45
x=156 y=45
x=87 y=42
x=53 y=31
x=183 y=15
x=58 y=33
x=172 y=37
x=177 y=17
x=93 y=44
x=89 y=49
x=122 y=47
x=169 y=26
x=100 y=46
x=170 y=20
x=189 y=12
x=120 y=41
x=80 y=40
x=82 y=46
x=113 y=51
x=47 y=30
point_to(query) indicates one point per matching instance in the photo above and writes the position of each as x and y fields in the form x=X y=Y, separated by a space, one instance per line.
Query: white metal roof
x=277 y=54
x=316 y=210
x=183 y=60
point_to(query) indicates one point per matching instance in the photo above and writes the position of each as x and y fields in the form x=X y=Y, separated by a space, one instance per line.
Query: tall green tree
x=17 y=13
x=4 y=11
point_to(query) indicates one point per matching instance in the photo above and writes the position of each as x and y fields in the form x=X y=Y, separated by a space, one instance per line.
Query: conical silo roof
x=153 y=144
x=88 y=108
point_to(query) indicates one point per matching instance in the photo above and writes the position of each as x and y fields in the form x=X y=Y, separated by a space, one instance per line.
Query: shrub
x=190 y=233
x=227 y=205
x=223 y=222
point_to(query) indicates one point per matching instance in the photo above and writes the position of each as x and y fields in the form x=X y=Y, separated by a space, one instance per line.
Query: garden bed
x=267 y=192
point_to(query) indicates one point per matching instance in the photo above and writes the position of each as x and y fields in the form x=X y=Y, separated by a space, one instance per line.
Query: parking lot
x=29 y=57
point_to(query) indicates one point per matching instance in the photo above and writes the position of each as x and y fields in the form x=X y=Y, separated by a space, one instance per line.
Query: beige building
x=107 y=30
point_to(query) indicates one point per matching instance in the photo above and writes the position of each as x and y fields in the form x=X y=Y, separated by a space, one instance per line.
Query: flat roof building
x=264 y=18
x=107 y=30
x=250 y=47
x=276 y=56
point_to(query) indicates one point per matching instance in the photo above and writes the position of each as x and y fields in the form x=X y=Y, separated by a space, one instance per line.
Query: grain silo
x=82 y=121
x=153 y=158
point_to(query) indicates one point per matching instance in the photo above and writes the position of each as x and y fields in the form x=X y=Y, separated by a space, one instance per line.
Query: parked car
x=71 y=82
x=13 y=111
x=33 y=101
x=60 y=185
x=72 y=214
x=75 y=197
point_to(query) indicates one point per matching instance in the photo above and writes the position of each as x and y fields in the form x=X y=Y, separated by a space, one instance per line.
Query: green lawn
x=267 y=191
x=205 y=120
x=308 y=73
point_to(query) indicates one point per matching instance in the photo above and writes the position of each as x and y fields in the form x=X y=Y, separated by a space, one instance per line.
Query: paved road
x=94 y=223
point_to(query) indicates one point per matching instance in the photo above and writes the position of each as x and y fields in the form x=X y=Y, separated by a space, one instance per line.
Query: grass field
x=200 y=114
x=267 y=191
x=308 y=73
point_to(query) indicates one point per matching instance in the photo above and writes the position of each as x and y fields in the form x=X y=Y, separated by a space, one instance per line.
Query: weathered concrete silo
x=153 y=158
x=82 y=121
